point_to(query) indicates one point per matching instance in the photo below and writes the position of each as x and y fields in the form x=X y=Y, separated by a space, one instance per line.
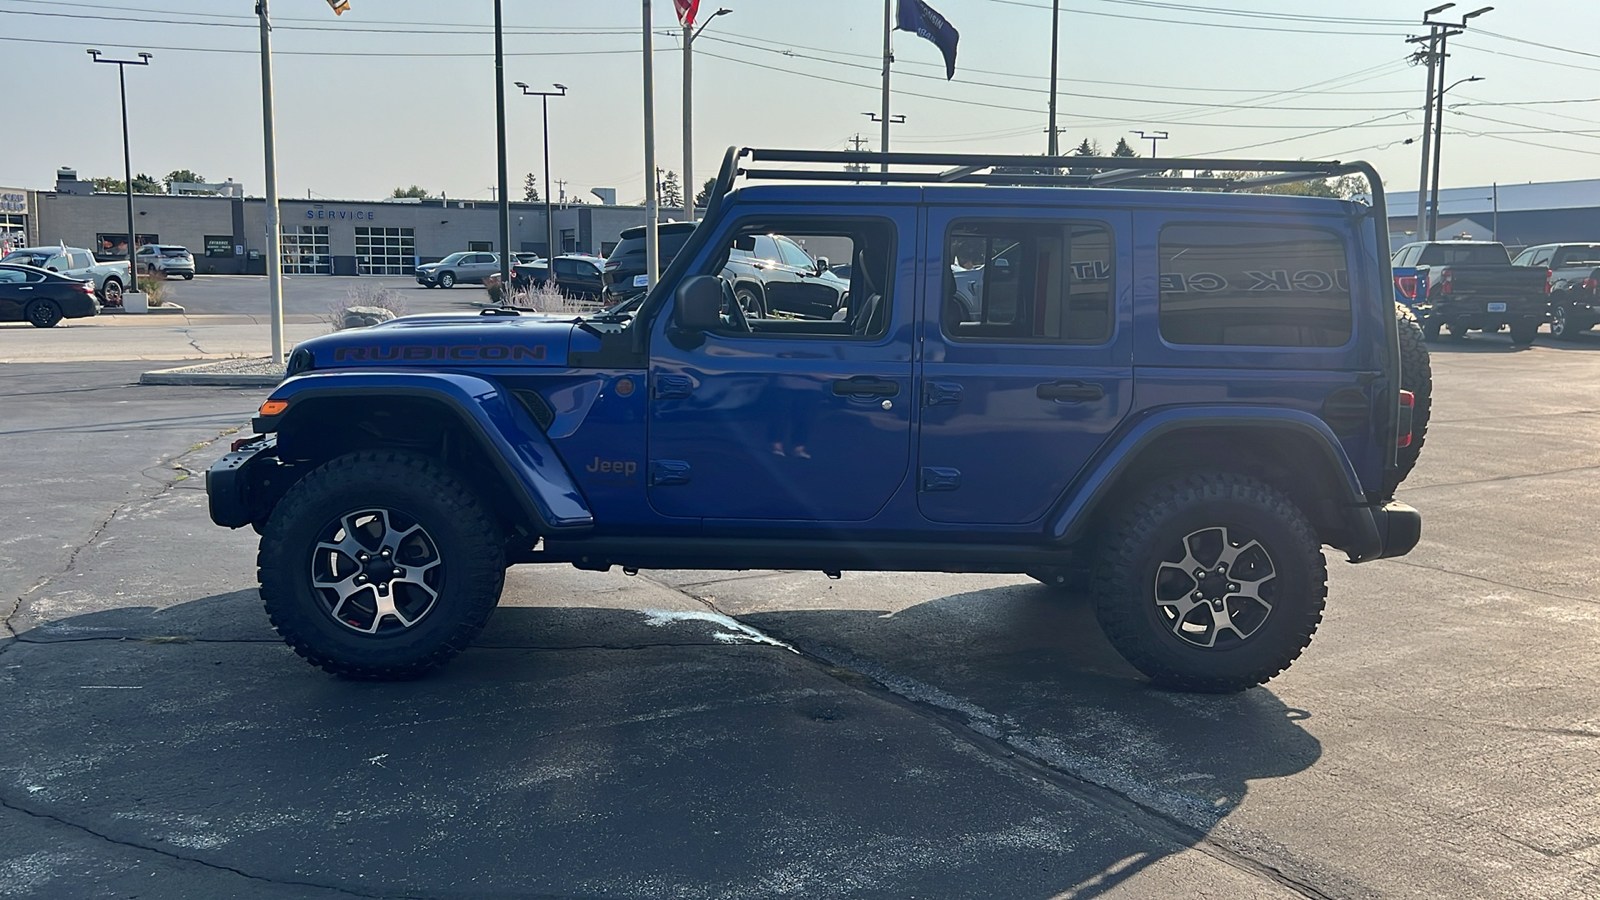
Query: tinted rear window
x=174 y=251
x=1254 y=285
x=1464 y=255
x=1572 y=256
x=670 y=244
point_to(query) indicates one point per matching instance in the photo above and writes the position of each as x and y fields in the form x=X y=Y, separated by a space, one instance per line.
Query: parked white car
x=110 y=278
x=169 y=260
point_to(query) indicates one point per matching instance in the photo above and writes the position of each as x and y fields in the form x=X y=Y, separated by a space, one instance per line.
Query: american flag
x=686 y=11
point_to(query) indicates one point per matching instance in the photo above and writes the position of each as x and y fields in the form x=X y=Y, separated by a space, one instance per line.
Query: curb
x=165 y=309
x=187 y=375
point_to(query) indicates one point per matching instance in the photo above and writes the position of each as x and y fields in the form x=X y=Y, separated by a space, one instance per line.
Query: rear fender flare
x=1092 y=489
x=523 y=457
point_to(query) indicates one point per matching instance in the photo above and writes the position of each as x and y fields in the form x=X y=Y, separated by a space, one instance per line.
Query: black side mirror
x=699 y=303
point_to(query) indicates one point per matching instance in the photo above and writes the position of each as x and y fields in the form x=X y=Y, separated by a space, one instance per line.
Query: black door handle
x=1070 y=390
x=865 y=386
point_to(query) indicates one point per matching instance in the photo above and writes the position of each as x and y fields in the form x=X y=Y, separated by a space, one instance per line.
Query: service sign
x=13 y=200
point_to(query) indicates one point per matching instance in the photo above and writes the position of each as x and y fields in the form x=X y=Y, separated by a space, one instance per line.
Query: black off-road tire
x=42 y=313
x=469 y=548
x=1524 y=332
x=1416 y=376
x=1154 y=528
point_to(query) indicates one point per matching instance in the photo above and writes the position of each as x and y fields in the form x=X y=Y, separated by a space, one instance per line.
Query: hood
x=443 y=341
x=432 y=265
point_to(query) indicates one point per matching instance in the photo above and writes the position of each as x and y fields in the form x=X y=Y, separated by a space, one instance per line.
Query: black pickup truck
x=1464 y=285
x=1572 y=273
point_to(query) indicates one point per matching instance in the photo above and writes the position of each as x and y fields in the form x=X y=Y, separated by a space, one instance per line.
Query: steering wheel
x=732 y=312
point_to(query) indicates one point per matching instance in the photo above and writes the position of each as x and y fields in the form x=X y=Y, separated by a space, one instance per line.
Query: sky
x=401 y=92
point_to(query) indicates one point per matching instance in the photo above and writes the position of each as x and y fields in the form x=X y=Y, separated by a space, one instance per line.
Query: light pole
x=1152 y=137
x=1438 y=145
x=690 y=33
x=500 y=139
x=1055 y=40
x=549 y=223
x=127 y=159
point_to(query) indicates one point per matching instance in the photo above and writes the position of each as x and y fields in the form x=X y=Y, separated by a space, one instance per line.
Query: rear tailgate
x=1520 y=288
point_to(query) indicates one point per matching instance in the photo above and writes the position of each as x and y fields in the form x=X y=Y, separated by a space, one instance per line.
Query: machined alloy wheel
x=447 y=280
x=43 y=313
x=1220 y=588
x=380 y=564
x=377 y=571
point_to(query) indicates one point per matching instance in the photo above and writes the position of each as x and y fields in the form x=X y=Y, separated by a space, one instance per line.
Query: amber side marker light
x=274 y=407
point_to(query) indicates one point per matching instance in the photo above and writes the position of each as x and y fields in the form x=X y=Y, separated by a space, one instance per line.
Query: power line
x=1164 y=21
x=275 y=52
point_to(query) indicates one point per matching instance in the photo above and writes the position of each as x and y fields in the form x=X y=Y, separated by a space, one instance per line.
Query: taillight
x=1548 y=273
x=1407 y=285
x=86 y=287
x=1408 y=408
x=1589 y=284
x=1446 y=280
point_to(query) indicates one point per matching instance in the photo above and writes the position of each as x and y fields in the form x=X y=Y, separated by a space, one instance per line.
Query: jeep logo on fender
x=446 y=353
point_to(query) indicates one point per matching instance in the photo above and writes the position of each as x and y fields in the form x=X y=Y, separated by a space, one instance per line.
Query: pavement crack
x=1496 y=478
x=195 y=860
x=1505 y=584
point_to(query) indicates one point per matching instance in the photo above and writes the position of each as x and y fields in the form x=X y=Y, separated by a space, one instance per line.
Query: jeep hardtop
x=1161 y=389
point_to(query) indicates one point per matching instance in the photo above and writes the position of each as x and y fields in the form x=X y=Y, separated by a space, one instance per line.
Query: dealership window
x=1254 y=285
x=481 y=246
x=305 y=250
x=115 y=245
x=386 y=251
x=1021 y=280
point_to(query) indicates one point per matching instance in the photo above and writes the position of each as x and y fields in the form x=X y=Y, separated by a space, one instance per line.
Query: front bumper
x=228 y=481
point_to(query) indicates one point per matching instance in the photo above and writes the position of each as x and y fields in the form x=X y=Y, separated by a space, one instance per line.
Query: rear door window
x=1254 y=285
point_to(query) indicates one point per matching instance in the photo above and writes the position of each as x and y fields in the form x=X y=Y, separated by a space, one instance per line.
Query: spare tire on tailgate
x=1416 y=376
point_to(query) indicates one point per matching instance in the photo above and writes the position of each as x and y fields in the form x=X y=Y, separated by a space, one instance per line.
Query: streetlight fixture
x=689 y=37
x=549 y=222
x=127 y=159
x=1438 y=147
x=1152 y=137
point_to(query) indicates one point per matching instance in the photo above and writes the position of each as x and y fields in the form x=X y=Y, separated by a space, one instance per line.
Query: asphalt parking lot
x=313 y=295
x=708 y=734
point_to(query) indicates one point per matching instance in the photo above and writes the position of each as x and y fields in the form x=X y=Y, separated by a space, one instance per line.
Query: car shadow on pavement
x=1501 y=343
x=636 y=753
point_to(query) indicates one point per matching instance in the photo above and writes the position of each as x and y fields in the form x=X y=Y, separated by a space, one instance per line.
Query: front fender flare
x=1091 y=488
x=510 y=439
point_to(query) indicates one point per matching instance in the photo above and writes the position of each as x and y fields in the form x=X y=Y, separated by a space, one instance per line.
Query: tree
x=409 y=192
x=671 y=193
x=1123 y=150
x=142 y=184
x=1087 y=148
x=530 y=189
x=703 y=199
x=1345 y=187
x=184 y=176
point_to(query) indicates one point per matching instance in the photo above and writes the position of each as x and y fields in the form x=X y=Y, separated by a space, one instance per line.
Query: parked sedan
x=461 y=267
x=43 y=298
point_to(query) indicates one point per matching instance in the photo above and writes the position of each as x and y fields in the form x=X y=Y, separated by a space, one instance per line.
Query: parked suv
x=1171 y=400
x=169 y=260
x=467 y=267
x=623 y=275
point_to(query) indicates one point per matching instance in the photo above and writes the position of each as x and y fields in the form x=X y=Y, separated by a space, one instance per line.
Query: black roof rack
x=1042 y=171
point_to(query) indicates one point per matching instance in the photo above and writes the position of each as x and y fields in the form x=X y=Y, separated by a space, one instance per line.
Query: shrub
x=154 y=288
x=496 y=290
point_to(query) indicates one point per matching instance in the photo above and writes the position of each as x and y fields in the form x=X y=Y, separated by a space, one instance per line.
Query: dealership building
x=320 y=237
x=1517 y=215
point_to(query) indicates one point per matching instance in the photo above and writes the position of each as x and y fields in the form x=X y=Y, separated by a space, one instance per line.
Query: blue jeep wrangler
x=1165 y=390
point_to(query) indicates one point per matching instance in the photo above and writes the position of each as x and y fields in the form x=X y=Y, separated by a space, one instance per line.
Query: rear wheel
x=1524 y=332
x=380 y=565
x=1562 y=327
x=42 y=313
x=112 y=292
x=1211 y=582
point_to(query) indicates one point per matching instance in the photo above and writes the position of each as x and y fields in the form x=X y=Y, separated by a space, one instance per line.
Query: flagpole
x=1055 y=40
x=883 y=141
x=651 y=256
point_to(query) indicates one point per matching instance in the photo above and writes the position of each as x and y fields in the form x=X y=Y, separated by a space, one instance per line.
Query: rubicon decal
x=442 y=353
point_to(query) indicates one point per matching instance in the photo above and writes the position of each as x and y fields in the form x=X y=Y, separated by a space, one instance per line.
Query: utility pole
x=888 y=57
x=1430 y=55
x=549 y=222
x=1055 y=41
x=1439 y=34
x=689 y=35
x=504 y=193
x=127 y=158
x=274 y=227
x=1152 y=137
x=652 y=229
x=856 y=142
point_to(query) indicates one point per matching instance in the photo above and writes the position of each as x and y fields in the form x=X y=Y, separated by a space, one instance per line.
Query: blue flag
x=919 y=17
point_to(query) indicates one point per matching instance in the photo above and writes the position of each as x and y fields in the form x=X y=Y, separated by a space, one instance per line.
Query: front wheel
x=380 y=565
x=1211 y=582
x=188 y=276
x=447 y=280
x=1562 y=328
x=750 y=301
x=43 y=313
